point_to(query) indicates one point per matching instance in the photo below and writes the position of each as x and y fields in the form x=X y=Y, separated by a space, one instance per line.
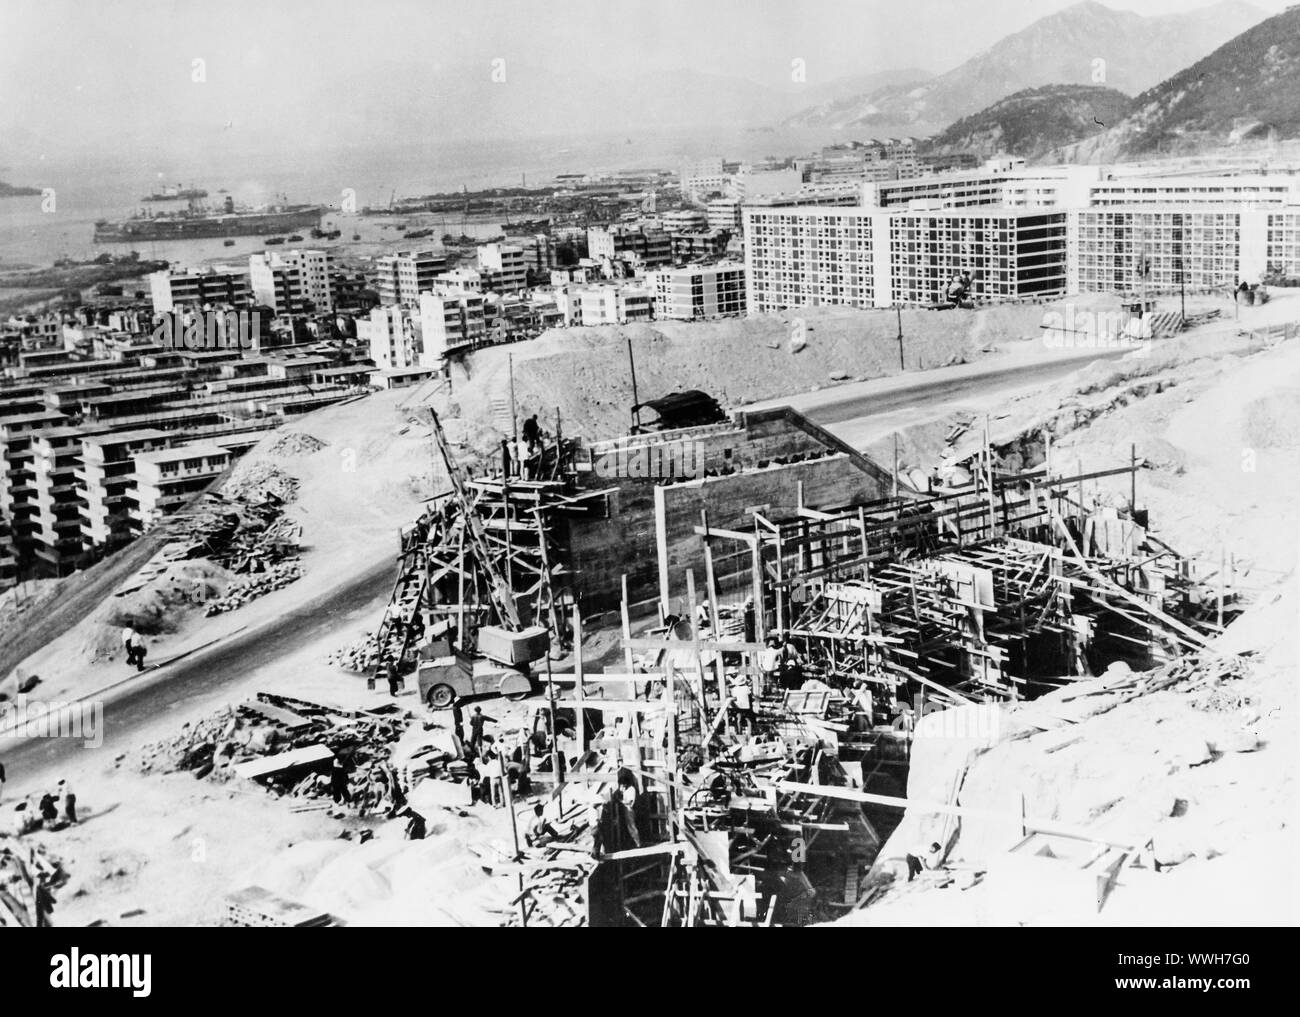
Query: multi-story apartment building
x=315 y=276
x=1247 y=189
x=612 y=304
x=168 y=478
x=697 y=291
x=682 y=220
x=539 y=252
x=1191 y=247
x=450 y=318
x=460 y=279
x=392 y=336
x=872 y=257
x=702 y=178
x=275 y=283
x=171 y=289
x=647 y=247
x=18 y=433
x=503 y=266
x=724 y=214
x=106 y=482
x=8 y=559
x=753 y=183
x=1005 y=254
x=57 y=458
x=808 y=256
x=401 y=278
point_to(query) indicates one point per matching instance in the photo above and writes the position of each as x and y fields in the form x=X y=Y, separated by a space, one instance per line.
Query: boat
x=526 y=226
x=176 y=193
x=199 y=223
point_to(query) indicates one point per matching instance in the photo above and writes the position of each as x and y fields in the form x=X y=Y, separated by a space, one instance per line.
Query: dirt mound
x=159 y=606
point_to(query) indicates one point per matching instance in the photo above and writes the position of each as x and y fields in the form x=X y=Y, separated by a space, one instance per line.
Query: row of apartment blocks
x=455 y=314
x=1021 y=234
x=103 y=432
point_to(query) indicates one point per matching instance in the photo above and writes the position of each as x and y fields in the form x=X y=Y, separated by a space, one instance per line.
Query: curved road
x=201 y=674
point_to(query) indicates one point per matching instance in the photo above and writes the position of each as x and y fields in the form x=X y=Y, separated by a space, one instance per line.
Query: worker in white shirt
x=769 y=659
x=742 y=702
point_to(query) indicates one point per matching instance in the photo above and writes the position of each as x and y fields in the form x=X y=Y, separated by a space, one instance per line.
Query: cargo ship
x=197 y=223
x=177 y=193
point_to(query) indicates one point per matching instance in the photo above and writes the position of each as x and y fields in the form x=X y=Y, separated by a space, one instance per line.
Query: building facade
x=698 y=291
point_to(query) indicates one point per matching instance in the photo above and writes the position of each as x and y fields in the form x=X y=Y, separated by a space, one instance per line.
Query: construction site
x=725 y=668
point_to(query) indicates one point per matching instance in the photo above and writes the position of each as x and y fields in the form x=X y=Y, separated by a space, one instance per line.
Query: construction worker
x=532 y=433
x=339 y=782
x=924 y=858
x=769 y=661
x=69 y=801
x=791 y=664
x=476 y=721
x=129 y=642
x=742 y=702
x=43 y=902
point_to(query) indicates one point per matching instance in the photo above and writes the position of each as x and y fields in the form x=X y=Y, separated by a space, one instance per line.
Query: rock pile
x=259 y=480
x=360 y=655
x=240 y=592
x=296 y=443
x=269 y=724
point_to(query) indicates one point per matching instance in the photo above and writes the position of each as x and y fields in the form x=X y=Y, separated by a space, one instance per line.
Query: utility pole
x=514 y=417
x=636 y=413
x=902 y=365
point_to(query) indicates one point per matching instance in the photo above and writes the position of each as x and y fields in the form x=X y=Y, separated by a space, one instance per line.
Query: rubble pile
x=296 y=443
x=269 y=725
x=26 y=868
x=258 y=480
x=240 y=592
x=361 y=655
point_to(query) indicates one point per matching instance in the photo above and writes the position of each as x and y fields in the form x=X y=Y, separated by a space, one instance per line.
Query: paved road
x=863 y=399
x=202 y=675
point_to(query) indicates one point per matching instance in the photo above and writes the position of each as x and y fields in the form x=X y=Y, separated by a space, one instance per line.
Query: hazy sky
x=82 y=69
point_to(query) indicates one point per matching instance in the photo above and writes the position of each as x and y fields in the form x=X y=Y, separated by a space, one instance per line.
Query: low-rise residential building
x=168 y=478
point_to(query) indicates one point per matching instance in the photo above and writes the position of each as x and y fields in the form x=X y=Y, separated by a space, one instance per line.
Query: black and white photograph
x=701 y=463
